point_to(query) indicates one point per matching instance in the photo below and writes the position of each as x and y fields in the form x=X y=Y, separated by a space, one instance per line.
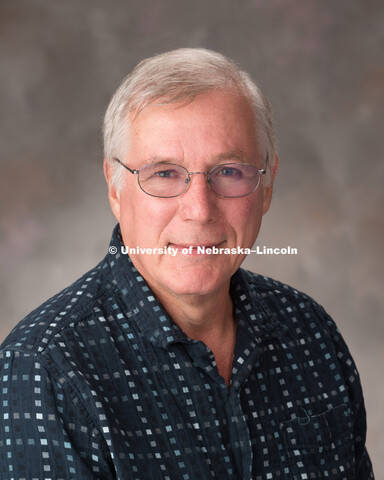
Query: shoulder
x=38 y=329
x=269 y=288
x=293 y=308
x=307 y=328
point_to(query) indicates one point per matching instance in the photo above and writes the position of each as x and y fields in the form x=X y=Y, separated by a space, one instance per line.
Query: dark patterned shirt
x=99 y=382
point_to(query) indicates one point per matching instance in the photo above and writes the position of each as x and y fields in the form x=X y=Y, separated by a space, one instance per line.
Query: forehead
x=211 y=124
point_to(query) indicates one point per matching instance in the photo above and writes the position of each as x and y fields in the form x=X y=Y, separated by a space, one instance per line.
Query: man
x=173 y=363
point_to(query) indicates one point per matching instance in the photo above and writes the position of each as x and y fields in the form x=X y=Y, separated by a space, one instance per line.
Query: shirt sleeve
x=42 y=433
x=351 y=376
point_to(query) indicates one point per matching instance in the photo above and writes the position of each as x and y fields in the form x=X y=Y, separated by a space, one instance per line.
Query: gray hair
x=177 y=76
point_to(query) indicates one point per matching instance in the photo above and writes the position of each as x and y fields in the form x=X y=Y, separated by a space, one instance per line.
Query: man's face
x=197 y=136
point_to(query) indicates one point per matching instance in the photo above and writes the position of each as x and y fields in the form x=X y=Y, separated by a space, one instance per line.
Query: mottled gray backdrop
x=321 y=64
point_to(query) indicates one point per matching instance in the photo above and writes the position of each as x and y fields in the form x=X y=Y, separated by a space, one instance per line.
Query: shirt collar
x=251 y=309
x=141 y=305
x=151 y=318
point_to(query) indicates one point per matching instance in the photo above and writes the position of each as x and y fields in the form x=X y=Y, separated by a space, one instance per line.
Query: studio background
x=320 y=63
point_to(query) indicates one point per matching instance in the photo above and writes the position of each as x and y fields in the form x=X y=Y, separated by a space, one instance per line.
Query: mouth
x=194 y=248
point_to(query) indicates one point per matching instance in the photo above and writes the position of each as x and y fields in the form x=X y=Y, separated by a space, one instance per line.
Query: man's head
x=204 y=118
x=179 y=76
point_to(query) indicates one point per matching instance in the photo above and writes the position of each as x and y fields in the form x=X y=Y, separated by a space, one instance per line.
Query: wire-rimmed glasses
x=168 y=180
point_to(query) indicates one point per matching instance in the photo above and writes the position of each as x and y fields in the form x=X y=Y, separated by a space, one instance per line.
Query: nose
x=198 y=202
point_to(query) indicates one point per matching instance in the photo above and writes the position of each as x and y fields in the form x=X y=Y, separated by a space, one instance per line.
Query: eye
x=161 y=173
x=165 y=172
x=227 y=171
x=168 y=173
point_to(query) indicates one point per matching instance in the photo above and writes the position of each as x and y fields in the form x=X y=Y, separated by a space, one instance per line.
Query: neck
x=208 y=318
x=198 y=315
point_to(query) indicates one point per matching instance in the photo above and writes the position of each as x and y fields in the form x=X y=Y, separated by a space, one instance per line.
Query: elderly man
x=172 y=362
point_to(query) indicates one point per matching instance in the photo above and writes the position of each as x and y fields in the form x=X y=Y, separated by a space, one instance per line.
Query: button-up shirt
x=99 y=382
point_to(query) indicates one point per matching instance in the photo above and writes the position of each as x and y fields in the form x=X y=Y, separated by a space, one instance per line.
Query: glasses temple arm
x=125 y=166
x=264 y=170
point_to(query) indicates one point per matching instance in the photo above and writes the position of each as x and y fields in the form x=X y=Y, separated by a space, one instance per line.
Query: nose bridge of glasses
x=188 y=179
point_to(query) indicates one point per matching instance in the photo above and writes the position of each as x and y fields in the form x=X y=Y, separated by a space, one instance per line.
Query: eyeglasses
x=168 y=180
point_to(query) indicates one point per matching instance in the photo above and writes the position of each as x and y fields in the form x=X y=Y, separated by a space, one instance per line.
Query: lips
x=185 y=247
x=195 y=245
x=188 y=245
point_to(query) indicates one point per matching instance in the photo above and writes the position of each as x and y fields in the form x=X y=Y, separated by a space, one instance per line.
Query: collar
x=140 y=303
x=250 y=308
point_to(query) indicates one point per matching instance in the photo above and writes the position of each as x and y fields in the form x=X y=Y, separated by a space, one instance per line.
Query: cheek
x=245 y=216
x=246 y=223
x=143 y=218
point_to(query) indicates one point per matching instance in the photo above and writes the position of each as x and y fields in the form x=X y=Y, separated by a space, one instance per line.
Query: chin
x=197 y=283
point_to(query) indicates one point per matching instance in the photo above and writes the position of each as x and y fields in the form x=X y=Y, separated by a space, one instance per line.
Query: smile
x=194 y=249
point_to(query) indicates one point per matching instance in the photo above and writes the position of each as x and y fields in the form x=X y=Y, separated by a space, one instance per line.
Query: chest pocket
x=321 y=446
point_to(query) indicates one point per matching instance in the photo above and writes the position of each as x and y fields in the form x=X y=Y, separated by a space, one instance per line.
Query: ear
x=113 y=192
x=268 y=190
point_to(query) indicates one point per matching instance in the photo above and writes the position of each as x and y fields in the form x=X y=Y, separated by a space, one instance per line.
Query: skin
x=194 y=289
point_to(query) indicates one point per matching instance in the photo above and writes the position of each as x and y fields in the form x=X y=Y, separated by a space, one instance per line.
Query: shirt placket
x=243 y=363
x=238 y=431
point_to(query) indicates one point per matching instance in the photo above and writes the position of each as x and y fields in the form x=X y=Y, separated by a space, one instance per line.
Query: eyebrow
x=230 y=155
x=156 y=159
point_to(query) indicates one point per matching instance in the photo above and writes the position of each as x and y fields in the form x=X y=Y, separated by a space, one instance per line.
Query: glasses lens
x=234 y=179
x=163 y=179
